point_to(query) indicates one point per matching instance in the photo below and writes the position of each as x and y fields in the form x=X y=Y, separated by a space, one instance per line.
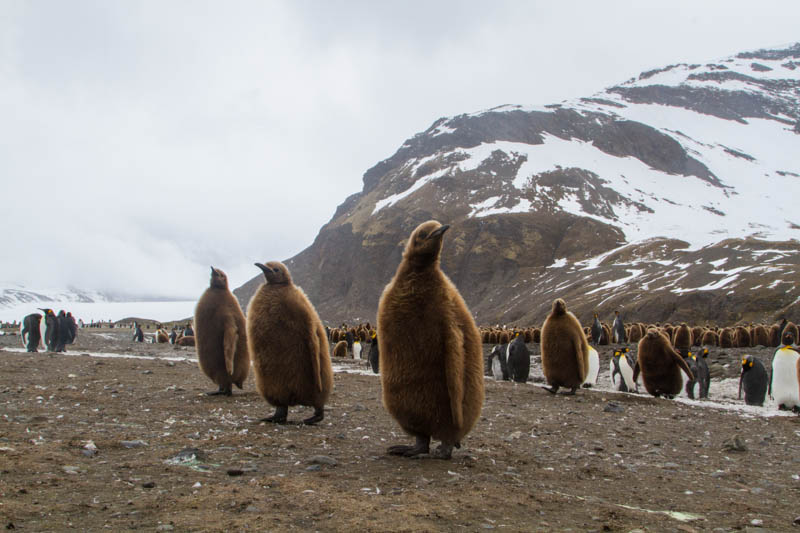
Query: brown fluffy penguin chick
x=430 y=353
x=565 y=351
x=221 y=335
x=660 y=365
x=340 y=349
x=290 y=351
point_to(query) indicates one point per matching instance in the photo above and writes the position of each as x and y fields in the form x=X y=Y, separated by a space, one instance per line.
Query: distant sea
x=105 y=311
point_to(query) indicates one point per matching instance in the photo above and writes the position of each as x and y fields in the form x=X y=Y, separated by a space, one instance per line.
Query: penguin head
x=560 y=307
x=788 y=338
x=705 y=352
x=747 y=362
x=425 y=244
x=218 y=279
x=275 y=273
x=617 y=353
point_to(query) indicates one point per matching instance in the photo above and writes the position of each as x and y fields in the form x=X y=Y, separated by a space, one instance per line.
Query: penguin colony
x=433 y=380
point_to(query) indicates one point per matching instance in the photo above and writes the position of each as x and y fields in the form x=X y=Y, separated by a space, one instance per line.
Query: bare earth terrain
x=101 y=443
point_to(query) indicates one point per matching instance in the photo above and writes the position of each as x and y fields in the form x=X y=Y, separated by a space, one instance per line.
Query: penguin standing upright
x=497 y=362
x=30 y=332
x=63 y=331
x=597 y=331
x=374 y=356
x=594 y=368
x=288 y=346
x=621 y=369
x=356 y=349
x=702 y=374
x=617 y=329
x=221 y=336
x=754 y=379
x=518 y=360
x=138 y=334
x=660 y=365
x=565 y=352
x=431 y=358
x=691 y=384
x=51 y=330
x=784 y=387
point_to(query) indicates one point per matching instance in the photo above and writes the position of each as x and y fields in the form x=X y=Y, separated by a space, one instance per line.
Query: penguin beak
x=263 y=268
x=439 y=232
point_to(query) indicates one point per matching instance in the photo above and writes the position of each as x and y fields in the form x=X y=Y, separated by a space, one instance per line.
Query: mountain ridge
x=698 y=153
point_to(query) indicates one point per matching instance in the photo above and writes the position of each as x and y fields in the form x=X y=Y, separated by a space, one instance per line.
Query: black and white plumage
x=783 y=386
x=594 y=368
x=374 y=354
x=597 y=330
x=497 y=362
x=755 y=380
x=31 y=332
x=621 y=369
x=618 y=329
x=518 y=360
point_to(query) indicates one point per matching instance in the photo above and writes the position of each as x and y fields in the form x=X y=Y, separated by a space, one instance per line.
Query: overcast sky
x=143 y=141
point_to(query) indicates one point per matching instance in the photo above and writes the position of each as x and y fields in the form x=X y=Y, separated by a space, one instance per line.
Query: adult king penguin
x=754 y=379
x=621 y=369
x=784 y=386
x=430 y=350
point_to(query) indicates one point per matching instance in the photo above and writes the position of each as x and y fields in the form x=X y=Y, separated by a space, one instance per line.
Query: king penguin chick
x=291 y=356
x=220 y=335
x=660 y=365
x=430 y=350
x=565 y=351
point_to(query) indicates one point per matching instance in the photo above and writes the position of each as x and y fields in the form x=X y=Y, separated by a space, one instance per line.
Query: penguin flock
x=54 y=331
x=429 y=352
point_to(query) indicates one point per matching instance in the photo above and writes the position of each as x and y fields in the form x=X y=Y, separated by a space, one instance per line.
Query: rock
x=165 y=527
x=314 y=468
x=735 y=444
x=148 y=484
x=187 y=455
x=146 y=372
x=233 y=472
x=323 y=460
x=796 y=521
x=756 y=522
x=69 y=469
x=252 y=509
x=132 y=443
x=612 y=407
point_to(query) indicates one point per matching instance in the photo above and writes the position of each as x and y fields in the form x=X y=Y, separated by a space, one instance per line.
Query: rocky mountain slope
x=14 y=294
x=671 y=196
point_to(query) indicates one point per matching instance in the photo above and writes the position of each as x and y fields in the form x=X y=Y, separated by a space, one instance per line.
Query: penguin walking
x=660 y=365
x=374 y=354
x=784 y=387
x=621 y=369
x=288 y=346
x=565 y=352
x=755 y=380
x=431 y=358
x=497 y=362
x=594 y=369
x=220 y=336
x=518 y=360
x=30 y=333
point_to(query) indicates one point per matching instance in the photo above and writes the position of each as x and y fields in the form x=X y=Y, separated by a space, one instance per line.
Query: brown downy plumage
x=726 y=338
x=565 y=352
x=682 y=337
x=710 y=338
x=185 y=341
x=340 y=349
x=290 y=351
x=221 y=335
x=431 y=359
x=660 y=365
x=760 y=336
x=635 y=334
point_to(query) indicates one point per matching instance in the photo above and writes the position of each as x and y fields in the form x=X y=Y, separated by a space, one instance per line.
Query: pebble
x=314 y=468
x=796 y=521
x=148 y=484
x=235 y=472
x=147 y=372
x=756 y=522
x=165 y=527
x=323 y=460
x=133 y=443
x=734 y=445
x=252 y=509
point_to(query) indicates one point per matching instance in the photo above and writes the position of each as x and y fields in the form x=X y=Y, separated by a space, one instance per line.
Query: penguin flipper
x=229 y=339
x=582 y=350
x=454 y=373
x=317 y=342
x=682 y=363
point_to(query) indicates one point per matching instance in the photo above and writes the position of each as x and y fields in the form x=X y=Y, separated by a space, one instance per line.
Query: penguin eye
x=423 y=234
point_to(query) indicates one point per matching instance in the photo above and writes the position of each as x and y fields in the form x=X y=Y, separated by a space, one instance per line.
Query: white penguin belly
x=784 y=378
x=356 y=350
x=627 y=373
x=594 y=367
x=497 y=370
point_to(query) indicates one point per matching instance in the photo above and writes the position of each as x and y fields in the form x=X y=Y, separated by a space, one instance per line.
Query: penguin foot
x=587 y=385
x=223 y=391
x=444 y=451
x=319 y=414
x=571 y=392
x=279 y=417
x=552 y=390
x=421 y=446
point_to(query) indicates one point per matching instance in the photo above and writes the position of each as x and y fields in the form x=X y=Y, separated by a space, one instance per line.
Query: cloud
x=142 y=142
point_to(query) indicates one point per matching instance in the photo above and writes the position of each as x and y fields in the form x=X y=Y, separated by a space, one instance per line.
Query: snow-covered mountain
x=665 y=180
x=13 y=295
